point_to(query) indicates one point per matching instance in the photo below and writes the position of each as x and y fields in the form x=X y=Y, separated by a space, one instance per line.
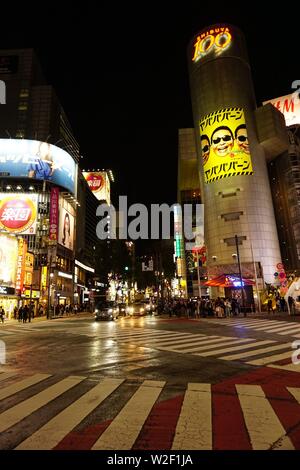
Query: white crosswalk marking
x=48 y=436
x=6 y=375
x=196 y=422
x=214 y=346
x=256 y=352
x=234 y=348
x=123 y=431
x=194 y=427
x=18 y=412
x=270 y=359
x=268 y=326
x=263 y=426
x=25 y=383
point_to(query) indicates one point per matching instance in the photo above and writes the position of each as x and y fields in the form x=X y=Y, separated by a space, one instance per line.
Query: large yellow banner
x=224 y=145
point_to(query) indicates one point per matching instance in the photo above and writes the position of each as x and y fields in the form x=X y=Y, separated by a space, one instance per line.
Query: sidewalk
x=12 y=321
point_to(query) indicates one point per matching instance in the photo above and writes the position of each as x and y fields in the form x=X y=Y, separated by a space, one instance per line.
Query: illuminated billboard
x=18 y=213
x=289 y=106
x=99 y=184
x=213 y=41
x=8 y=260
x=66 y=229
x=37 y=160
x=224 y=145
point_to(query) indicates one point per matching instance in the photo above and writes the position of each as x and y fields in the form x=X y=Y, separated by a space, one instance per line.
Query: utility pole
x=240 y=272
x=198 y=274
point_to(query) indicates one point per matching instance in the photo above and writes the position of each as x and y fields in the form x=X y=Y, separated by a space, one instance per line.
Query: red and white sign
x=53 y=230
x=18 y=213
x=289 y=106
x=99 y=184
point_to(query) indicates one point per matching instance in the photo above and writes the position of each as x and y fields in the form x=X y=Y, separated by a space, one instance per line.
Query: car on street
x=122 y=309
x=106 y=310
x=136 y=309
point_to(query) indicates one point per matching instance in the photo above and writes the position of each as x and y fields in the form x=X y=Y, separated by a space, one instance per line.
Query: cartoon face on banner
x=18 y=213
x=224 y=145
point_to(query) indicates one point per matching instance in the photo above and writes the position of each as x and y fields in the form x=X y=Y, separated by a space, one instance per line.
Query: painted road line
x=212 y=346
x=161 y=338
x=234 y=348
x=234 y=357
x=18 y=412
x=25 y=383
x=194 y=426
x=271 y=359
x=191 y=344
x=49 y=435
x=267 y=329
x=122 y=433
x=295 y=392
x=288 y=367
x=294 y=330
x=6 y=375
x=263 y=426
x=284 y=328
x=191 y=339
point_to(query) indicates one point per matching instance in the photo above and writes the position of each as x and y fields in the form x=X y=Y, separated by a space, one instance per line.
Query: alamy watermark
x=160 y=221
x=2 y=92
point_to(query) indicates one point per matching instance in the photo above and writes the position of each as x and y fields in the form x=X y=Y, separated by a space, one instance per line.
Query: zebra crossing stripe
x=194 y=426
x=174 y=341
x=296 y=330
x=232 y=357
x=156 y=338
x=263 y=426
x=48 y=436
x=269 y=359
x=18 y=412
x=6 y=375
x=261 y=323
x=125 y=428
x=234 y=348
x=25 y=383
x=295 y=392
x=283 y=328
x=213 y=346
x=288 y=367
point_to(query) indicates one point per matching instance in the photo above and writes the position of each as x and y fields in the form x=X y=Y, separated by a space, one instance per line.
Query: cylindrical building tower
x=233 y=171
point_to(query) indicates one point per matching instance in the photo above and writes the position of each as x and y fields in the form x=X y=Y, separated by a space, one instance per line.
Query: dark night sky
x=121 y=75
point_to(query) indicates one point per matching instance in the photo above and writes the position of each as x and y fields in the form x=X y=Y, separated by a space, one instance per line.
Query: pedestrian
x=270 y=305
x=2 y=314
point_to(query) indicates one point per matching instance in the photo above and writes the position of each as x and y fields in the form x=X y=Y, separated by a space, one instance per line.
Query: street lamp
x=49 y=294
x=240 y=271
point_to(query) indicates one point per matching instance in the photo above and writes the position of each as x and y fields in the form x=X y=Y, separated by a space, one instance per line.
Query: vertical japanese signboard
x=53 y=230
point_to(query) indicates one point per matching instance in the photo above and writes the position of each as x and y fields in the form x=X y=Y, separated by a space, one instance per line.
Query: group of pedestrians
x=204 y=307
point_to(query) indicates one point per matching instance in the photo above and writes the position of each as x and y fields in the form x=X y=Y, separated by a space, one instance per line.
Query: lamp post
x=49 y=293
x=240 y=271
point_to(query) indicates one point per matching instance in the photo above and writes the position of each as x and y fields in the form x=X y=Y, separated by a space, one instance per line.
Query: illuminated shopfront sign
x=224 y=145
x=215 y=40
x=99 y=184
x=53 y=230
x=7 y=290
x=289 y=106
x=18 y=213
x=37 y=160
x=8 y=259
x=22 y=248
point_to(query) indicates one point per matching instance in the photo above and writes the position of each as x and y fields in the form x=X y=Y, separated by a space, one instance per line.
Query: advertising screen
x=224 y=145
x=8 y=260
x=66 y=229
x=37 y=160
x=18 y=213
x=289 y=106
x=99 y=184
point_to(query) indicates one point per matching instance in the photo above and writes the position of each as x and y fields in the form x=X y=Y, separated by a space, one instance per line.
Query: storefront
x=8 y=300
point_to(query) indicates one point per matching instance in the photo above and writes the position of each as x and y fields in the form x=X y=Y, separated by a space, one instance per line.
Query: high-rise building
x=32 y=109
x=234 y=139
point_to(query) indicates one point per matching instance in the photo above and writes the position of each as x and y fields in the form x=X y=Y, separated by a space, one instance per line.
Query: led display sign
x=214 y=40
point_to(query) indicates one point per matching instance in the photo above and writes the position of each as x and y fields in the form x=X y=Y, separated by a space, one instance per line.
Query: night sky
x=121 y=75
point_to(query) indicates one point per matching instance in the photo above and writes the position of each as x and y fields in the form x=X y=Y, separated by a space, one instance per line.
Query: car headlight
x=110 y=310
x=96 y=311
x=141 y=309
x=123 y=309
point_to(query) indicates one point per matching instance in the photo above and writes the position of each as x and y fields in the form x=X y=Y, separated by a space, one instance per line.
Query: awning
x=228 y=281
